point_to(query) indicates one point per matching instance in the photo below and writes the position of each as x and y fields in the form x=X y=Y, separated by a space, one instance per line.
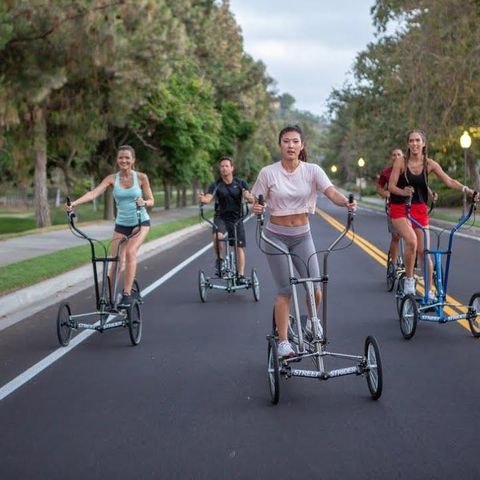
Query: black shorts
x=124 y=230
x=227 y=226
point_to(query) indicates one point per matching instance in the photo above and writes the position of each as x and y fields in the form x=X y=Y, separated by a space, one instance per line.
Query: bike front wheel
x=408 y=316
x=374 y=371
x=64 y=324
x=255 y=285
x=273 y=371
x=202 y=286
x=134 y=319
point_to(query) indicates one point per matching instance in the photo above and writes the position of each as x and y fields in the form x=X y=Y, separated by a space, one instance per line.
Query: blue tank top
x=125 y=201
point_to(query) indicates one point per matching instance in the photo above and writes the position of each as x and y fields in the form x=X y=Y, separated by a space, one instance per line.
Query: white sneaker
x=285 y=349
x=409 y=286
x=432 y=298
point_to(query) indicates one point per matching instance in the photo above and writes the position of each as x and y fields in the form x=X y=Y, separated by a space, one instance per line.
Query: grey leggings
x=301 y=247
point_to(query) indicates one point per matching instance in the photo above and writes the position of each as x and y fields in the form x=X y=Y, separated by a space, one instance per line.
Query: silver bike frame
x=322 y=334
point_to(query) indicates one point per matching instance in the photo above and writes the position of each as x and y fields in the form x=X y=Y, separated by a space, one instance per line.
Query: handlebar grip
x=71 y=213
x=261 y=201
x=350 y=197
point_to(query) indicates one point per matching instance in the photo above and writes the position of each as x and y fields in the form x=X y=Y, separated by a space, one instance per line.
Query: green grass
x=28 y=272
x=12 y=222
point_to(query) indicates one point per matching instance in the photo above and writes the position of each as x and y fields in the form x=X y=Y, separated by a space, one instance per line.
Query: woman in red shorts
x=410 y=178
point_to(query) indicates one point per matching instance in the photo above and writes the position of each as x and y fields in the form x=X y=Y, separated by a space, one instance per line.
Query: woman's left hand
x=140 y=202
x=351 y=206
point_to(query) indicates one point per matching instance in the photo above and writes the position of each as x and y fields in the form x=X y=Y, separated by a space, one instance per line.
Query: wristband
x=464 y=188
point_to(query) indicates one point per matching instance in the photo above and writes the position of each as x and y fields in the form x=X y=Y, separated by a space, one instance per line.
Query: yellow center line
x=381 y=257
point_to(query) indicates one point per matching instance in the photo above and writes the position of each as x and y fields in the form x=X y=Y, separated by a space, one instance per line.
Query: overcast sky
x=308 y=45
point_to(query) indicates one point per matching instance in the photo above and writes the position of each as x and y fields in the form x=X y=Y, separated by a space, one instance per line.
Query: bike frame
x=316 y=348
x=229 y=252
x=441 y=282
x=105 y=299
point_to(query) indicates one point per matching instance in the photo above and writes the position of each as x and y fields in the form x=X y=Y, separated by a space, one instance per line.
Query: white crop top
x=289 y=193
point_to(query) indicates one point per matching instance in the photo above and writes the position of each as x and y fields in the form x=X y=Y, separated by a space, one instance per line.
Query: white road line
x=32 y=372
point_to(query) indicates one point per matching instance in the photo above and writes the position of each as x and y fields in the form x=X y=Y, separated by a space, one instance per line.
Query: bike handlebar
x=71 y=215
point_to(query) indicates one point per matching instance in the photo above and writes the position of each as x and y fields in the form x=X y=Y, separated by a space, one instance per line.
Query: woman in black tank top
x=410 y=178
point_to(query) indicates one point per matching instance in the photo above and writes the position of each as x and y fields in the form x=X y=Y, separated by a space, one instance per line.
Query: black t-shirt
x=228 y=197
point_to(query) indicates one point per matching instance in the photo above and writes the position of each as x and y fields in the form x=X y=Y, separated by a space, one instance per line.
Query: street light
x=333 y=169
x=361 y=164
x=465 y=143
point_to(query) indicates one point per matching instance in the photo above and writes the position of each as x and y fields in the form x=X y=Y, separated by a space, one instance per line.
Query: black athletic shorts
x=226 y=226
x=124 y=230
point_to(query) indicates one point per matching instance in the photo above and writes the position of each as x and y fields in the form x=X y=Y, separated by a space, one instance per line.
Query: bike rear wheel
x=474 y=321
x=136 y=292
x=391 y=273
x=399 y=292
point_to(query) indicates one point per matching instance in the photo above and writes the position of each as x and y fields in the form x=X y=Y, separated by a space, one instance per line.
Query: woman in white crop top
x=290 y=189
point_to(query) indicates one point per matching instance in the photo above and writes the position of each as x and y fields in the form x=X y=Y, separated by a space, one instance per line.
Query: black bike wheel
x=408 y=316
x=255 y=285
x=202 y=286
x=137 y=292
x=64 y=324
x=474 y=321
x=134 y=319
x=399 y=292
x=390 y=275
x=273 y=371
x=374 y=371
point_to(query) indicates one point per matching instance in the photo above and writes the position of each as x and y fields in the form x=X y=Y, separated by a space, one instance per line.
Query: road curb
x=23 y=303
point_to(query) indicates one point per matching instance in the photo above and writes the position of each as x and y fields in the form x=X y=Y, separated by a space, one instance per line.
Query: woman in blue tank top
x=130 y=189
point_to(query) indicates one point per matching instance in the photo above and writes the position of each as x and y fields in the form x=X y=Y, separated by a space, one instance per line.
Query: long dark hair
x=424 y=153
x=295 y=128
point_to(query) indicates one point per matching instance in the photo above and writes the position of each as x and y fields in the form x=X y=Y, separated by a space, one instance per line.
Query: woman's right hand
x=258 y=209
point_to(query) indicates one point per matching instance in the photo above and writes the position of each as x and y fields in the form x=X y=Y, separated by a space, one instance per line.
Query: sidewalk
x=36 y=244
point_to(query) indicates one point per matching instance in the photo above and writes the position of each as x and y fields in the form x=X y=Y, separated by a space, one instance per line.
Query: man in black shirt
x=228 y=193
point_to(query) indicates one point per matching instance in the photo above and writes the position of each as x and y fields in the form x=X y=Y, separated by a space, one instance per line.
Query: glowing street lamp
x=361 y=164
x=465 y=143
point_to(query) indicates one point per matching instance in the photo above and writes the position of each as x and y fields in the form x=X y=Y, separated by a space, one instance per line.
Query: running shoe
x=432 y=298
x=409 y=286
x=126 y=300
x=241 y=280
x=285 y=349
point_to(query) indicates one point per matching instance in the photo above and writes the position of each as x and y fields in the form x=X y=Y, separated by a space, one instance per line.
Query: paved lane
x=191 y=402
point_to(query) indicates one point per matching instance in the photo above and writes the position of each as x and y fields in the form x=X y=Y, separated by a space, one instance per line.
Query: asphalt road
x=192 y=402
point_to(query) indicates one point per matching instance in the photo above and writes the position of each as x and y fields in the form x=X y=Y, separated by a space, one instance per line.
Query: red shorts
x=418 y=211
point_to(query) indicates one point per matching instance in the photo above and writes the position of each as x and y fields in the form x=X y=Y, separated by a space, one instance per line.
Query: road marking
x=381 y=257
x=33 y=371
